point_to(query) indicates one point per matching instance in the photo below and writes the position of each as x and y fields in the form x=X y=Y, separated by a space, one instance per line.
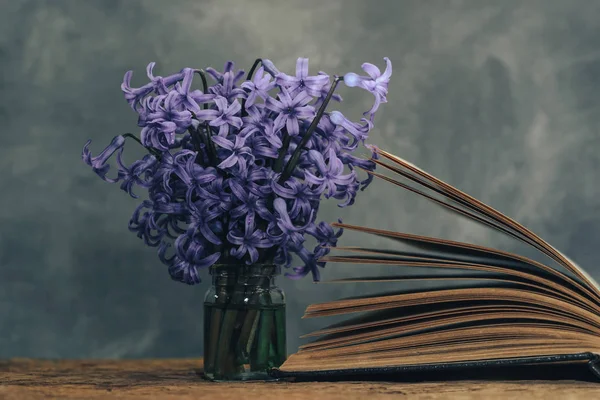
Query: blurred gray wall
x=499 y=98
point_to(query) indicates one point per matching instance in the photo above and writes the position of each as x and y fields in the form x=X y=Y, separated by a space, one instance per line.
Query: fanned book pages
x=499 y=311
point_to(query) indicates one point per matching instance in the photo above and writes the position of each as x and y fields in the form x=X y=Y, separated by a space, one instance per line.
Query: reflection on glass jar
x=244 y=323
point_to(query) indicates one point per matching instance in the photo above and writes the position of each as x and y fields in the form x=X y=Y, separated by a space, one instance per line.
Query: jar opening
x=263 y=270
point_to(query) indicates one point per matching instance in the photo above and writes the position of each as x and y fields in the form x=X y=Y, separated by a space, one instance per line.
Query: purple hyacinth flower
x=283 y=256
x=254 y=120
x=229 y=67
x=362 y=163
x=147 y=106
x=376 y=82
x=248 y=242
x=258 y=120
x=261 y=148
x=331 y=173
x=194 y=176
x=259 y=86
x=224 y=116
x=134 y=96
x=190 y=100
x=170 y=110
x=288 y=232
x=301 y=195
x=323 y=94
x=227 y=89
x=249 y=204
x=167 y=215
x=326 y=236
x=311 y=85
x=201 y=217
x=166 y=167
x=158 y=84
x=99 y=163
x=290 y=110
x=161 y=120
x=252 y=179
x=347 y=193
x=190 y=254
x=209 y=199
x=166 y=203
x=272 y=133
x=144 y=225
x=139 y=173
x=158 y=134
x=360 y=132
x=311 y=264
x=170 y=223
x=235 y=151
x=215 y=197
x=270 y=67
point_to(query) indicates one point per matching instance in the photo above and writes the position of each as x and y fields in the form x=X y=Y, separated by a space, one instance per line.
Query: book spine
x=276 y=373
x=594 y=365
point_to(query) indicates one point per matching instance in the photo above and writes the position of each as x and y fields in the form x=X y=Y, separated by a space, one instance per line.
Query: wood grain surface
x=22 y=379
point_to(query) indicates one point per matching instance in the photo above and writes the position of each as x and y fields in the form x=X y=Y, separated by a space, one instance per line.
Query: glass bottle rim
x=245 y=269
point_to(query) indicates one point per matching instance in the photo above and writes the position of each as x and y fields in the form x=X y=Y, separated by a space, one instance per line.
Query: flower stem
x=196 y=141
x=250 y=73
x=282 y=152
x=202 y=135
x=264 y=340
x=289 y=168
x=210 y=145
x=204 y=84
x=150 y=150
x=215 y=327
x=280 y=334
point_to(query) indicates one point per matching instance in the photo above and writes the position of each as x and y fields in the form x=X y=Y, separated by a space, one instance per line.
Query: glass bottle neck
x=256 y=275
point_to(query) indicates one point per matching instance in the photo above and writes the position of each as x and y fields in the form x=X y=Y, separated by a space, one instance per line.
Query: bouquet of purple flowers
x=236 y=172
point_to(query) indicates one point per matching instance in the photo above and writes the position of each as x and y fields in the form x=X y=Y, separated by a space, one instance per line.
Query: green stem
x=211 y=352
x=253 y=331
x=250 y=324
x=203 y=136
x=204 y=84
x=250 y=73
x=280 y=335
x=210 y=145
x=216 y=326
x=247 y=328
x=264 y=339
x=196 y=141
x=282 y=152
x=225 y=358
x=150 y=150
x=289 y=168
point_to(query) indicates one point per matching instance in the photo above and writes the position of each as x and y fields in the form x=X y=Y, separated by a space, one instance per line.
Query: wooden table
x=22 y=379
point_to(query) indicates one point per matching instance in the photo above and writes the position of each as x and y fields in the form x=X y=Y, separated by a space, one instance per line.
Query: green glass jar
x=244 y=323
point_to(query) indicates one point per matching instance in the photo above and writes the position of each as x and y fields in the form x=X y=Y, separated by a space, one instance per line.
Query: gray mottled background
x=499 y=98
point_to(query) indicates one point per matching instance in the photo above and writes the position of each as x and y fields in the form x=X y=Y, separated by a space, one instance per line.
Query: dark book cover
x=579 y=366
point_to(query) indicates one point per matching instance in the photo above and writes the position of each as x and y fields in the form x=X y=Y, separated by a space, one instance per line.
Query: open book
x=498 y=309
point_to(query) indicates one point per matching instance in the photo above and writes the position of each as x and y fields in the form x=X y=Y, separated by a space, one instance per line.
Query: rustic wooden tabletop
x=22 y=379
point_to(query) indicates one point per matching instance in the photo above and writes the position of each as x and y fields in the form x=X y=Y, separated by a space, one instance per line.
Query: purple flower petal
x=99 y=163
